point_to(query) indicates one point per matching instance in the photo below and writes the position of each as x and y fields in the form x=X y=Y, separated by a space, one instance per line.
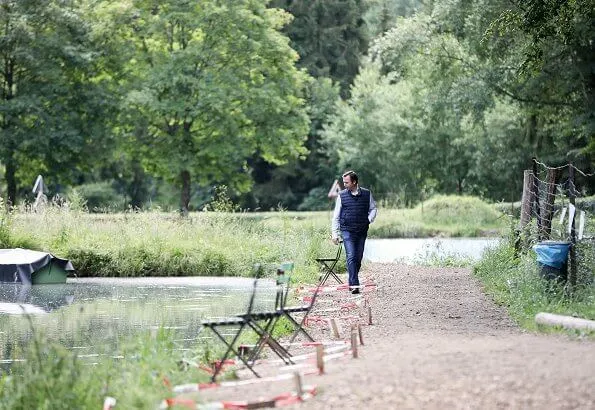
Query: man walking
x=355 y=210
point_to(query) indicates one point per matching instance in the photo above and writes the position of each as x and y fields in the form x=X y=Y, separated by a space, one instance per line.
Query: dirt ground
x=438 y=342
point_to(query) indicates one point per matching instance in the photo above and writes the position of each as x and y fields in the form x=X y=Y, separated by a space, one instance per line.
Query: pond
x=86 y=314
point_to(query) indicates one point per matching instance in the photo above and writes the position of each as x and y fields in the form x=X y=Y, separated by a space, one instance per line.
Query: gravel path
x=438 y=342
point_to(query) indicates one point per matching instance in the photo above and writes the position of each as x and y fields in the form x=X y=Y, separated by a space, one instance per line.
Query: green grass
x=514 y=282
x=137 y=375
x=223 y=244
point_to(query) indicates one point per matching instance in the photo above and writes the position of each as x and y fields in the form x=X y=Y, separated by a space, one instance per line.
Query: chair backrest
x=257 y=272
x=338 y=255
x=283 y=281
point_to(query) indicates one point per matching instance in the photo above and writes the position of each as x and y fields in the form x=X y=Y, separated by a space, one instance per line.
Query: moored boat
x=32 y=267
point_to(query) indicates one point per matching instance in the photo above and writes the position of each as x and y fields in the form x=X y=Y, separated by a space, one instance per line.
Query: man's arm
x=373 y=210
x=335 y=221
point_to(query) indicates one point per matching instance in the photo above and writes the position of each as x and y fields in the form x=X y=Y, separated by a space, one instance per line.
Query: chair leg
x=324 y=278
x=261 y=342
x=327 y=272
x=265 y=338
x=336 y=277
x=299 y=327
x=229 y=350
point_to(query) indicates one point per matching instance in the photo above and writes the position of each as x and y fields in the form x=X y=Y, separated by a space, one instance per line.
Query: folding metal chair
x=283 y=283
x=329 y=266
x=243 y=323
x=305 y=309
x=264 y=323
x=249 y=320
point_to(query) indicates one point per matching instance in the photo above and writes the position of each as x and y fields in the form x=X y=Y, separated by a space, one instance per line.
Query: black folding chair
x=243 y=323
x=264 y=323
x=329 y=267
x=249 y=320
x=283 y=288
x=305 y=309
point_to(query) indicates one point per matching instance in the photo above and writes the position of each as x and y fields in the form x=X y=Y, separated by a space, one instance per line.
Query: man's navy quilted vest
x=354 y=211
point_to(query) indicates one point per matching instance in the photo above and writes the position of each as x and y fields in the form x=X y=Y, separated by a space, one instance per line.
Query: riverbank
x=139 y=244
x=438 y=342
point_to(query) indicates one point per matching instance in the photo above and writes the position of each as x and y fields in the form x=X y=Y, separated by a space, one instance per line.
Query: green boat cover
x=18 y=265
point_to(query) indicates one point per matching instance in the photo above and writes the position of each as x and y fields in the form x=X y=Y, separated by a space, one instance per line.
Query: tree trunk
x=11 y=182
x=137 y=190
x=185 y=197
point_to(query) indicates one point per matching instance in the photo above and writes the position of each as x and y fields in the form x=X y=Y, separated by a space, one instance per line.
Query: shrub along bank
x=222 y=244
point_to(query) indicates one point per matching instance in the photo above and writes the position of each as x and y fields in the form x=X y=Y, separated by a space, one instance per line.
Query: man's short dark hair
x=352 y=175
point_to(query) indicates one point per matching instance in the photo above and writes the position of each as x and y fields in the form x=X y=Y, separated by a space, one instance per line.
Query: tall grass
x=514 y=281
x=221 y=243
x=159 y=244
x=138 y=375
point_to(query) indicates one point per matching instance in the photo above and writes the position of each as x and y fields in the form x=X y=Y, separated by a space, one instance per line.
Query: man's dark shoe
x=355 y=291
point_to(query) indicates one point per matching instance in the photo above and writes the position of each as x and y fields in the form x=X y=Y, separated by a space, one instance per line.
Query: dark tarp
x=17 y=265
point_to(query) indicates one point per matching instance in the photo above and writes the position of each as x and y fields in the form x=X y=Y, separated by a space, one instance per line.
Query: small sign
x=38 y=186
x=571 y=211
x=562 y=216
x=581 y=225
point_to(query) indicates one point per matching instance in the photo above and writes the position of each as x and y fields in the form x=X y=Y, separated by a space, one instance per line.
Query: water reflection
x=92 y=314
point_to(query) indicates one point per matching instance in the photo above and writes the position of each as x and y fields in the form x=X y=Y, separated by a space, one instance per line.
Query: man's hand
x=335 y=241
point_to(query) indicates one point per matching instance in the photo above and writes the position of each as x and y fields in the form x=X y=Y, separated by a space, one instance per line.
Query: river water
x=413 y=251
x=89 y=312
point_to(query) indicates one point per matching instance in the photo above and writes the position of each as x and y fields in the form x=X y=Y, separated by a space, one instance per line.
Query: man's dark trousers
x=354 y=252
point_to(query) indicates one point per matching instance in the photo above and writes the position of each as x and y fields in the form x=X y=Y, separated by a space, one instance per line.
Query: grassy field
x=223 y=244
x=513 y=280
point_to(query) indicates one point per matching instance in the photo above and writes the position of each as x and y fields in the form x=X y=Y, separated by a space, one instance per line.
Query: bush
x=514 y=282
x=449 y=209
x=99 y=196
x=316 y=200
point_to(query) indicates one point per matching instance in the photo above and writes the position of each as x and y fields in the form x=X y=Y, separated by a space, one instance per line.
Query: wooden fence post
x=526 y=202
x=335 y=329
x=320 y=358
x=571 y=198
x=548 y=207
x=354 y=343
x=526 y=205
x=535 y=196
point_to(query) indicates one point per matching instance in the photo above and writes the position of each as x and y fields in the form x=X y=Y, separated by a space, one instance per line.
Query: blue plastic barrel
x=552 y=253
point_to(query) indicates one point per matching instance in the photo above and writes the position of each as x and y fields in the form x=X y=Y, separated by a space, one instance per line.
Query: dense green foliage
x=330 y=36
x=55 y=100
x=459 y=96
x=163 y=102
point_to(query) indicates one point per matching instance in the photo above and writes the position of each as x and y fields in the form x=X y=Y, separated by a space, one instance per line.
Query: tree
x=215 y=82
x=52 y=100
x=301 y=179
x=330 y=36
x=381 y=15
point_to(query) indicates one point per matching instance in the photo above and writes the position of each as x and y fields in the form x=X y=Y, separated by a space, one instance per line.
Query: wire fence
x=554 y=208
